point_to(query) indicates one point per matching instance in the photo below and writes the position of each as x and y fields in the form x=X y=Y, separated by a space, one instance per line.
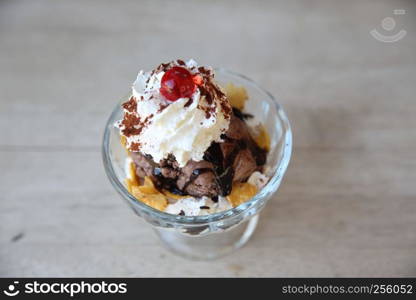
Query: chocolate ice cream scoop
x=232 y=160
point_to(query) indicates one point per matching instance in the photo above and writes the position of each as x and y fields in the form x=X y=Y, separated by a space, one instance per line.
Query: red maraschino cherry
x=177 y=83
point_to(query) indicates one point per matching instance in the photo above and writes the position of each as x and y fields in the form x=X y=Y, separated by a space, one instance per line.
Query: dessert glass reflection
x=199 y=162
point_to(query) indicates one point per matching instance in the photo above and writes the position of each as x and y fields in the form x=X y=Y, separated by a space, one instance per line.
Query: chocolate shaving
x=189 y=102
x=210 y=90
x=204 y=71
x=132 y=125
x=161 y=107
x=135 y=147
x=163 y=67
x=131 y=105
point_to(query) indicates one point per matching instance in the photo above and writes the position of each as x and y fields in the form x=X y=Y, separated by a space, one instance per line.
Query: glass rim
x=215 y=217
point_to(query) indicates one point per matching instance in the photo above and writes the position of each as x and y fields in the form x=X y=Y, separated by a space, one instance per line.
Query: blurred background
x=347 y=206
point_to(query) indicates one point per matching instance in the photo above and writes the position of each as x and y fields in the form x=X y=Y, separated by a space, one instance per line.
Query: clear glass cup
x=214 y=235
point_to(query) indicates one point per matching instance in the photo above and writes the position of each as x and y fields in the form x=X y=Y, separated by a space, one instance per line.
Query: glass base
x=207 y=246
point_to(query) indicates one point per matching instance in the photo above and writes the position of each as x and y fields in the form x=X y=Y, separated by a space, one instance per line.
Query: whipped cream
x=198 y=206
x=184 y=128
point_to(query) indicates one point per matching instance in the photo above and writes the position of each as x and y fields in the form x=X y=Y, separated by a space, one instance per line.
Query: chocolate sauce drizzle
x=241 y=115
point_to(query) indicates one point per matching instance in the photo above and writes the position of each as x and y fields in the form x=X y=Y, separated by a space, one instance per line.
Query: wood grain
x=347 y=206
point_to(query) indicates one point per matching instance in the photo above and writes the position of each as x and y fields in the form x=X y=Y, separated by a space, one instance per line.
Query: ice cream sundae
x=191 y=148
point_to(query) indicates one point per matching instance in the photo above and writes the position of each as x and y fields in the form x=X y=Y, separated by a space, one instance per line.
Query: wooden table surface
x=347 y=206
